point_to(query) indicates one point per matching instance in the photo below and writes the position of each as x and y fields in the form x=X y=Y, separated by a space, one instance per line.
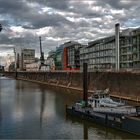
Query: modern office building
x=59 y=57
x=72 y=55
x=67 y=56
x=99 y=54
x=130 y=49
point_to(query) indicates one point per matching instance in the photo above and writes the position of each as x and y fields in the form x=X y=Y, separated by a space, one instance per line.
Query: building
x=32 y=66
x=130 y=49
x=9 y=63
x=99 y=54
x=51 y=60
x=67 y=56
x=59 y=58
x=72 y=55
x=27 y=57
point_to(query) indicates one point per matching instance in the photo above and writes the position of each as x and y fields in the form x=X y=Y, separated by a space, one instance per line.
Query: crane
x=41 y=53
x=42 y=60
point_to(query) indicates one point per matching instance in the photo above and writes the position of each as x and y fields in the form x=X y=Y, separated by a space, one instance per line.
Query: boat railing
x=119 y=110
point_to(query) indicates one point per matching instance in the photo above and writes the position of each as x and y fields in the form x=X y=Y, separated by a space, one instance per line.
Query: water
x=30 y=110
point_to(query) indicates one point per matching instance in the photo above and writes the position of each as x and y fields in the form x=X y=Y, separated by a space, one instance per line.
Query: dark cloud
x=4 y=39
x=68 y=19
x=39 y=21
x=29 y=17
x=58 y=4
x=119 y=4
x=113 y=3
x=12 y=6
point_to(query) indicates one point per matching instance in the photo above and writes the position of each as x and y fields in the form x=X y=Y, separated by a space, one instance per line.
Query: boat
x=104 y=110
x=102 y=98
x=101 y=109
x=100 y=101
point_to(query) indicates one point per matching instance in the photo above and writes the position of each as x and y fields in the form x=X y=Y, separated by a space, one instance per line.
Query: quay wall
x=123 y=84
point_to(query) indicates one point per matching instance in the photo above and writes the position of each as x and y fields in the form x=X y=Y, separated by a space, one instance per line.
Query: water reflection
x=29 y=110
x=42 y=106
x=93 y=130
x=85 y=131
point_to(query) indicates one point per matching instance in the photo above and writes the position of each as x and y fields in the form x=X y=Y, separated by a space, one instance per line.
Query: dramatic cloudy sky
x=58 y=21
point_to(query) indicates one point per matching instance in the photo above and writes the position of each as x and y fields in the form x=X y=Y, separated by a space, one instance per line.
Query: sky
x=59 y=21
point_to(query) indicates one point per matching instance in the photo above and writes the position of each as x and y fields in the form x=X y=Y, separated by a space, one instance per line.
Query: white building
x=50 y=62
x=32 y=66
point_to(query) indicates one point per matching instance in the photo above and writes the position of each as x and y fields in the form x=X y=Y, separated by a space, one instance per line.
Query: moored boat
x=100 y=108
x=100 y=101
x=110 y=113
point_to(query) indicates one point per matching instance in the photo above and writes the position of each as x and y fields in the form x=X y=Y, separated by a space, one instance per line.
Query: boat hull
x=123 y=123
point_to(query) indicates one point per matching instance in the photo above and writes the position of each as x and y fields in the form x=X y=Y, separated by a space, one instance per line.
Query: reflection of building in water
x=47 y=107
x=43 y=100
x=17 y=112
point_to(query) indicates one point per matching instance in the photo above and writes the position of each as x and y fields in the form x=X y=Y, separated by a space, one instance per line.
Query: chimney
x=117 y=45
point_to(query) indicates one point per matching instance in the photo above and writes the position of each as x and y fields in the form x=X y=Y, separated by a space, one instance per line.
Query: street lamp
x=0 y=27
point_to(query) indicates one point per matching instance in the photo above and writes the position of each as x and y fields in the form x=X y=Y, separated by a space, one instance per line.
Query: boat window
x=117 y=119
x=138 y=110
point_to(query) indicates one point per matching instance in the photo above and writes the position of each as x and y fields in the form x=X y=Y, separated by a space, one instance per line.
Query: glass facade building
x=130 y=49
x=99 y=54
x=59 y=58
x=67 y=56
x=73 y=55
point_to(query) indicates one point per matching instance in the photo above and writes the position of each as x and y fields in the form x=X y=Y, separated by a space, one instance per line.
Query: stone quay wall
x=122 y=84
